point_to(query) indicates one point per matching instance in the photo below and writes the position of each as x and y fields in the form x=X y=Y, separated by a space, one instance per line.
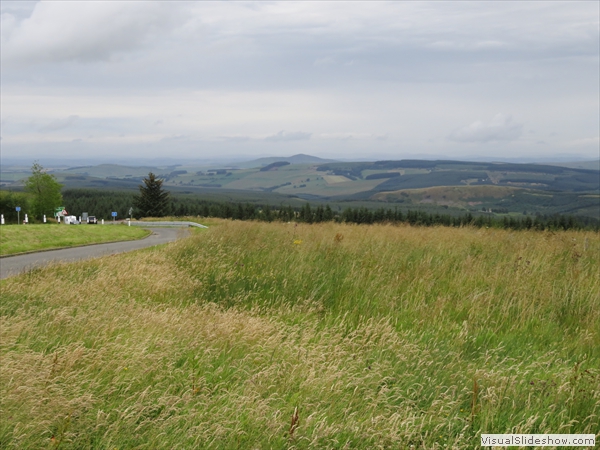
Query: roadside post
x=1 y=219
x=26 y=219
x=113 y=214
x=18 y=208
x=44 y=218
x=102 y=221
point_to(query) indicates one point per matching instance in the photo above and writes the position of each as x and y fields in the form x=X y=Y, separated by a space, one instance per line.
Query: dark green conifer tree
x=153 y=201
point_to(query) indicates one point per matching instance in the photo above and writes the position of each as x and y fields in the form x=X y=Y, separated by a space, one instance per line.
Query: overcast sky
x=332 y=79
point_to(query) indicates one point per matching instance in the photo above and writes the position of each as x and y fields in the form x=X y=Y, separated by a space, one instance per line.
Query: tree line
x=102 y=203
x=41 y=197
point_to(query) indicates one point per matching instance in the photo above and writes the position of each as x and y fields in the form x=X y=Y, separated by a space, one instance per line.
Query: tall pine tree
x=153 y=201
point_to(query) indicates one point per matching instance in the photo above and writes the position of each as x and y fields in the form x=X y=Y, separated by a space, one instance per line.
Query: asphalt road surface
x=14 y=265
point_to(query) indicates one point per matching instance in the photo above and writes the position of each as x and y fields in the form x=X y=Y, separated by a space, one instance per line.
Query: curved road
x=14 y=265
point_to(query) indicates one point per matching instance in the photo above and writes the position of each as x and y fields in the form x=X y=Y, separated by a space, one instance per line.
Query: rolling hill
x=498 y=188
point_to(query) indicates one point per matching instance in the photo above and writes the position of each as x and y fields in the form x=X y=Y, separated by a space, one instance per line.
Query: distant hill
x=112 y=170
x=296 y=159
x=588 y=165
x=478 y=187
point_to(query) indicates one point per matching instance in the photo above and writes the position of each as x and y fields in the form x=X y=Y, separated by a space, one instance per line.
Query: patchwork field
x=333 y=179
x=448 y=195
x=255 y=335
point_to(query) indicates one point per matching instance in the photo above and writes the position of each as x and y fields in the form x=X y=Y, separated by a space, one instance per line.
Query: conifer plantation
x=292 y=335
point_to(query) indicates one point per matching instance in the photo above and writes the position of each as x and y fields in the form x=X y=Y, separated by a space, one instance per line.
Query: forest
x=102 y=203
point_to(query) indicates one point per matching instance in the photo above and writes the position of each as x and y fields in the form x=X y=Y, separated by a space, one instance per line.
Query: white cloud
x=84 y=31
x=8 y=24
x=284 y=136
x=59 y=124
x=500 y=128
x=586 y=142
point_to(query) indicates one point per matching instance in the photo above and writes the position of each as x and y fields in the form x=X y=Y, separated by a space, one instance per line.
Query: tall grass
x=254 y=335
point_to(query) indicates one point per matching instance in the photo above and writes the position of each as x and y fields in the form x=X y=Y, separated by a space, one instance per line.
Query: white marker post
x=44 y=218
x=26 y=219
x=1 y=219
x=102 y=221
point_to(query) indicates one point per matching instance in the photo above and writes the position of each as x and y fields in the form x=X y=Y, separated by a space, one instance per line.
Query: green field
x=377 y=337
x=460 y=196
x=30 y=238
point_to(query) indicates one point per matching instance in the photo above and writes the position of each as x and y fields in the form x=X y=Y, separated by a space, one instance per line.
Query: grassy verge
x=378 y=337
x=27 y=238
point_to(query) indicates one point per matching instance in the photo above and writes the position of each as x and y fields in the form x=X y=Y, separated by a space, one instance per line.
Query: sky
x=347 y=80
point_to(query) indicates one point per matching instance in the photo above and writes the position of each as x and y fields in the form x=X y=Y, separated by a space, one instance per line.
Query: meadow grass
x=29 y=238
x=258 y=335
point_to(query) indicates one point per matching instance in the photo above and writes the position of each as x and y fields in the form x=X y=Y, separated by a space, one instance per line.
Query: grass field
x=449 y=194
x=257 y=335
x=27 y=238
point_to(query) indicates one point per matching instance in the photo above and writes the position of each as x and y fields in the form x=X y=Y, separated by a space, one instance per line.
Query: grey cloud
x=347 y=136
x=283 y=136
x=500 y=128
x=175 y=138
x=59 y=124
x=283 y=44
x=419 y=66
x=325 y=61
x=234 y=138
x=86 y=31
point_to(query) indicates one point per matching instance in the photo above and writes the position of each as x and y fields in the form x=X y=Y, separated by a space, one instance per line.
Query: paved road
x=13 y=265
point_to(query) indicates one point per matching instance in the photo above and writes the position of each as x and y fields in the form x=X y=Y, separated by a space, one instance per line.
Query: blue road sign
x=114 y=214
x=18 y=208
